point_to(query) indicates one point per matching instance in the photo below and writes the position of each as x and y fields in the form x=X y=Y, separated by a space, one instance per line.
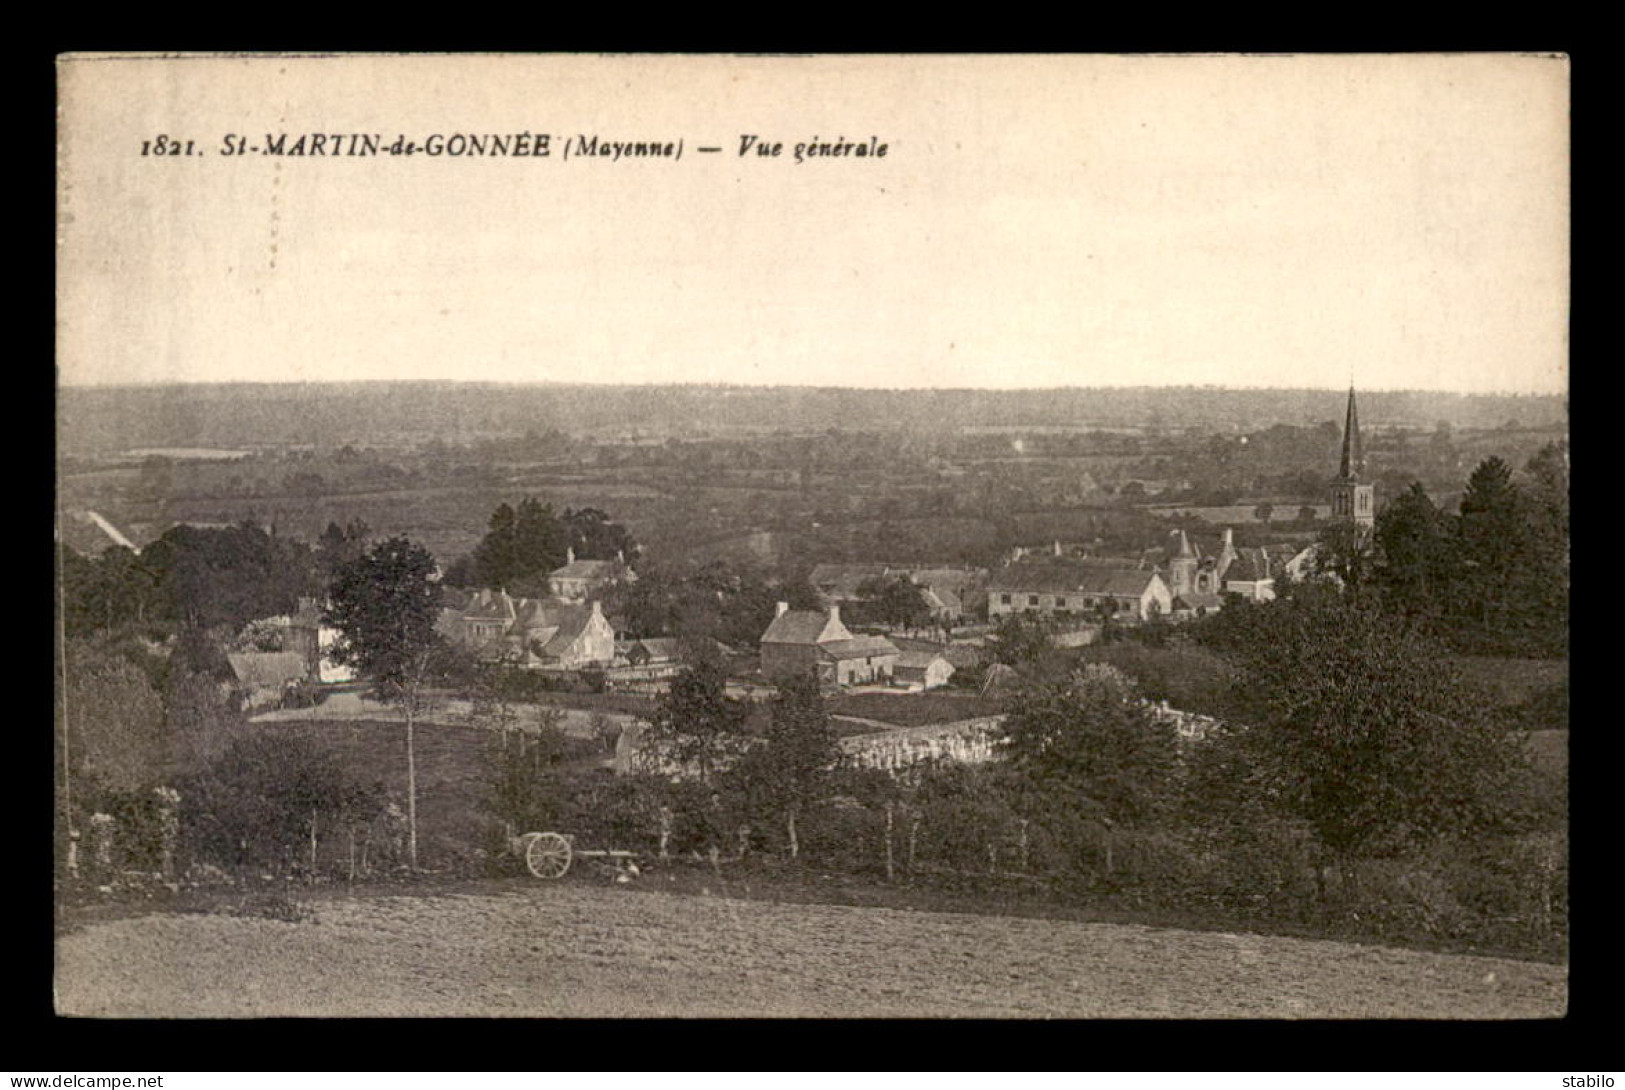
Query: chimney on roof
x=620 y=557
x=835 y=614
x=597 y=610
x=780 y=609
x=1057 y=548
x=1229 y=536
x=569 y=555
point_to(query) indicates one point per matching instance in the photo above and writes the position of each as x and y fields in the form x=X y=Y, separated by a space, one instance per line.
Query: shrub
x=1263 y=867
x=253 y=806
x=844 y=834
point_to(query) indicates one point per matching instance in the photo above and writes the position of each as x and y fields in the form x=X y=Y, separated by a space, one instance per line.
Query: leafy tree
x=200 y=720
x=968 y=813
x=496 y=558
x=696 y=723
x=540 y=540
x=648 y=607
x=1360 y=727
x=114 y=589
x=1513 y=549
x=385 y=605
x=524 y=545
x=1546 y=571
x=524 y=789
x=1090 y=746
x=339 y=546
x=461 y=572
x=266 y=797
x=115 y=731
x=1347 y=555
x=1023 y=641
x=594 y=535
x=225 y=577
x=1190 y=678
x=201 y=652
x=799 y=594
x=785 y=774
x=1490 y=532
x=896 y=602
x=1416 y=570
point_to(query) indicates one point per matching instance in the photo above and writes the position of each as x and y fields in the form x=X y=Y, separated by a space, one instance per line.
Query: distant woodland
x=99 y=419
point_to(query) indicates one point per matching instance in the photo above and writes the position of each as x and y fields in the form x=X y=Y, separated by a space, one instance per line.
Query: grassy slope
x=582 y=949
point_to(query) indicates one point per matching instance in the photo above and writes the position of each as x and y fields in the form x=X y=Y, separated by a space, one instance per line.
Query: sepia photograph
x=911 y=536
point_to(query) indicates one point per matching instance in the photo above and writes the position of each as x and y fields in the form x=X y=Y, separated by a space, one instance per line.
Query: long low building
x=1084 y=589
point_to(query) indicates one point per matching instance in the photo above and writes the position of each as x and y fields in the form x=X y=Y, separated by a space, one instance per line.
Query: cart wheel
x=547 y=855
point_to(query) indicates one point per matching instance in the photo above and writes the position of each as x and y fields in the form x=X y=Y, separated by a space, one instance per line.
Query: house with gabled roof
x=580 y=579
x=264 y=677
x=1251 y=575
x=799 y=641
x=922 y=669
x=537 y=632
x=949 y=593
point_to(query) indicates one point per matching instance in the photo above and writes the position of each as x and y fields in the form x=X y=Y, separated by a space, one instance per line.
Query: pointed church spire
x=1353 y=462
x=1185 y=549
x=1353 y=501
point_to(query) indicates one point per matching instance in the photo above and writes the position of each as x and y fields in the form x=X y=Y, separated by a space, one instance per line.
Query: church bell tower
x=1353 y=499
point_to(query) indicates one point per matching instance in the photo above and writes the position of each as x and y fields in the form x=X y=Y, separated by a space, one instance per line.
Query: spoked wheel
x=547 y=855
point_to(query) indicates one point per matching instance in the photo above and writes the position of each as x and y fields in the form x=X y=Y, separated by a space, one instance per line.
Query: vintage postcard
x=812 y=536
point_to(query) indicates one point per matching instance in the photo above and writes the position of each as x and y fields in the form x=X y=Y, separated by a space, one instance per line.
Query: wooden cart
x=549 y=855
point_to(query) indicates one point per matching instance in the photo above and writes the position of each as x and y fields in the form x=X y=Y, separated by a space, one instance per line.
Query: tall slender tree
x=795 y=761
x=1413 y=541
x=696 y=723
x=496 y=558
x=385 y=605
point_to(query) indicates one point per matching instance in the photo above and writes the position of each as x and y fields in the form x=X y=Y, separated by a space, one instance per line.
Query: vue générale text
x=531 y=145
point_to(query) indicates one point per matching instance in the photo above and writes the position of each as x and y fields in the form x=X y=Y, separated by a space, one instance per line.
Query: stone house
x=536 y=632
x=580 y=579
x=801 y=641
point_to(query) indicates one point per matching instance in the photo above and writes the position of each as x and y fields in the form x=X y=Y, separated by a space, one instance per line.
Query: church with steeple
x=1354 y=500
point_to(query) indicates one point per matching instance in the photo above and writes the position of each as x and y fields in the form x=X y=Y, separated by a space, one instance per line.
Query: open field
x=915 y=709
x=1510 y=681
x=581 y=949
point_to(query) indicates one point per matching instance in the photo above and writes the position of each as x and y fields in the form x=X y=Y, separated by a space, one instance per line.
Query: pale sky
x=1040 y=221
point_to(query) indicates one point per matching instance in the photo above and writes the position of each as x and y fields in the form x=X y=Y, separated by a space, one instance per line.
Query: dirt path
x=583 y=950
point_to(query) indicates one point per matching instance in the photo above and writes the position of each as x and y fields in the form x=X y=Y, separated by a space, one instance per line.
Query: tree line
x=1492 y=578
x=201 y=577
x=1353 y=780
x=523 y=544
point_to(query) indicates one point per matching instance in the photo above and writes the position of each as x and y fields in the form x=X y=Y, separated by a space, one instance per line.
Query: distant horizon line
x=767 y=386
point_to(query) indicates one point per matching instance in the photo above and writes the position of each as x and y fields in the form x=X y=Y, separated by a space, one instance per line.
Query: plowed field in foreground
x=594 y=951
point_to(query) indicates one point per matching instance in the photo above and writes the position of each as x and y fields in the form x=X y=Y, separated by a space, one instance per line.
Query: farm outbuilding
x=922 y=669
